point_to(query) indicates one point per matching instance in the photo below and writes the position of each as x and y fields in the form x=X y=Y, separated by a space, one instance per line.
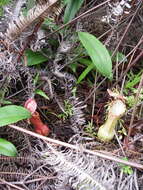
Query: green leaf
x=41 y=93
x=84 y=73
x=71 y=9
x=1 y=11
x=7 y=148
x=65 y=1
x=126 y=169
x=73 y=67
x=5 y=102
x=12 y=114
x=4 y=2
x=86 y=62
x=98 y=53
x=134 y=80
x=34 y=58
x=35 y=80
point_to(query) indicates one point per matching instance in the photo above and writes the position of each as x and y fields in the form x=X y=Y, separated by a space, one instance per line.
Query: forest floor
x=47 y=68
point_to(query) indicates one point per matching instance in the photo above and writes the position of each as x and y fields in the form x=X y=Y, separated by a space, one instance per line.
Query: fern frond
x=17 y=9
x=37 y=12
x=81 y=172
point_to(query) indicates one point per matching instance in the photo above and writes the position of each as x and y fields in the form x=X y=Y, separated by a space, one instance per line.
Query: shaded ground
x=41 y=165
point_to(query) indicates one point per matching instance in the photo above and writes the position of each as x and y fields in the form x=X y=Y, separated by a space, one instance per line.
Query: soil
x=73 y=118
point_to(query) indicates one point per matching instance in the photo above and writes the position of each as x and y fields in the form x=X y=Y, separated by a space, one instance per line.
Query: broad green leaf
x=84 y=73
x=71 y=9
x=98 y=53
x=34 y=58
x=12 y=114
x=7 y=148
x=41 y=93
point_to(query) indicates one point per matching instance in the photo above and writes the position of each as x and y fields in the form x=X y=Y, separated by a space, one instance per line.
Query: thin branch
x=75 y=19
x=133 y=63
x=94 y=89
x=11 y=185
x=96 y=153
x=126 y=30
x=134 y=108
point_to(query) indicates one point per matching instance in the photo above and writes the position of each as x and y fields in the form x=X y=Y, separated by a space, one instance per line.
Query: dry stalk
x=96 y=153
x=134 y=108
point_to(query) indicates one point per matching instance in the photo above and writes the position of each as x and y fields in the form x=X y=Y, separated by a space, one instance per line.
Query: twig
x=134 y=109
x=40 y=179
x=127 y=28
x=133 y=63
x=42 y=183
x=75 y=19
x=14 y=94
x=121 y=77
x=94 y=89
x=31 y=181
x=28 y=176
x=94 y=97
x=19 y=174
x=132 y=51
x=12 y=185
x=96 y=153
x=138 y=138
x=128 y=68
